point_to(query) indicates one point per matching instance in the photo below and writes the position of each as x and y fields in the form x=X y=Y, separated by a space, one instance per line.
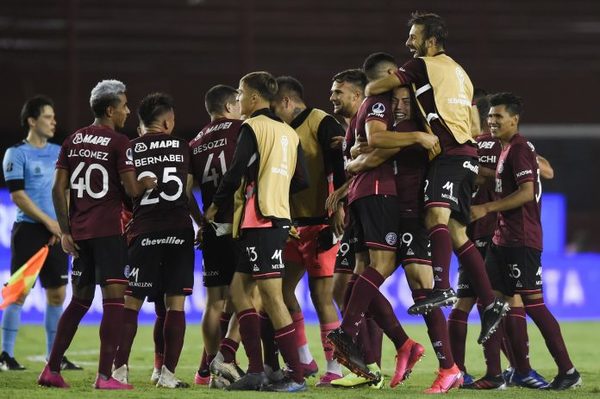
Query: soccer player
x=315 y=251
x=413 y=253
x=212 y=152
x=265 y=161
x=347 y=93
x=28 y=171
x=93 y=167
x=374 y=210
x=515 y=255
x=444 y=92
x=161 y=250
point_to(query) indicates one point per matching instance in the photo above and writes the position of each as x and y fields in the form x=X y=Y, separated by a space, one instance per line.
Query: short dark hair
x=374 y=62
x=217 y=97
x=482 y=100
x=290 y=86
x=512 y=102
x=433 y=25
x=33 y=108
x=154 y=105
x=262 y=82
x=354 y=76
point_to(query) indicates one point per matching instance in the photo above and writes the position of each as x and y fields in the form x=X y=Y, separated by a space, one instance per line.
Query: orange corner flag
x=22 y=280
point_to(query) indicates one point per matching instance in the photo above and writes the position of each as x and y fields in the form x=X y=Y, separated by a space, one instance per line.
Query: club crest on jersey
x=378 y=108
x=391 y=238
x=140 y=147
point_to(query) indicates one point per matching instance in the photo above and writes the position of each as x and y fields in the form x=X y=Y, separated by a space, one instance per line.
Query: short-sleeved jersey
x=95 y=156
x=380 y=180
x=415 y=71
x=410 y=165
x=166 y=158
x=34 y=167
x=520 y=226
x=488 y=150
x=212 y=152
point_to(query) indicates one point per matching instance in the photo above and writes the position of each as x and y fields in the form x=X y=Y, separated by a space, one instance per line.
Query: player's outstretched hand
x=69 y=245
x=210 y=213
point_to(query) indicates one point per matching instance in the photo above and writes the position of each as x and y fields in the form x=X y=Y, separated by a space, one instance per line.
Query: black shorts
x=264 y=252
x=464 y=283
x=376 y=220
x=220 y=257
x=101 y=261
x=161 y=262
x=414 y=246
x=345 y=259
x=515 y=270
x=450 y=184
x=26 y=240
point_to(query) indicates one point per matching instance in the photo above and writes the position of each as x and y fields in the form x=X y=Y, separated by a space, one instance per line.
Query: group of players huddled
x=423 y=169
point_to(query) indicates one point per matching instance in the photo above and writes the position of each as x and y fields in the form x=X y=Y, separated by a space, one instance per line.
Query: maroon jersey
x=488 y=149
x=167 y=159
x=94 y=156
x=415 y=71
x=410 y=165
x=212 y=152
x=519 y=227
x=380 y=180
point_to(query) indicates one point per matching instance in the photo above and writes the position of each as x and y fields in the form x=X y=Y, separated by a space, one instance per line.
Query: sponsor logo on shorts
x=211 y=273
x=463 y=286
x=141 y=284
x=76 y=273
x=172 y=240
x=410 y=252
x=391 y=238
x=450 y=197
x=471 y=167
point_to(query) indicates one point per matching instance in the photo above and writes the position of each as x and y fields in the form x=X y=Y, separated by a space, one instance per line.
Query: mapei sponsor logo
x=140 y=147
x=488 y=145
x=91 y=139
x=471 y=167
x=524 y=173
x=172 y=240
x=164 y=144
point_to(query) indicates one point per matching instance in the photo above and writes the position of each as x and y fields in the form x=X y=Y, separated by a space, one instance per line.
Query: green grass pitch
x=582 y=341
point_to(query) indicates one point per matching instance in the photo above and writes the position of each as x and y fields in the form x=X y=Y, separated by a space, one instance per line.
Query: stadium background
x=547 y=52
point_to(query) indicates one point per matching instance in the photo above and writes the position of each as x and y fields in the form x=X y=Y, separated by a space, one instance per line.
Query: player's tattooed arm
x=60 y=193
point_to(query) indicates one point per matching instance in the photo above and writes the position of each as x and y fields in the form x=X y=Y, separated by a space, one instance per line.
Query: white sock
x=304 y=353
x=334 y=367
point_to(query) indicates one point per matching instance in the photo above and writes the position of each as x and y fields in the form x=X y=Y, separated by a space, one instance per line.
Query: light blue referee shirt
x=35 y=168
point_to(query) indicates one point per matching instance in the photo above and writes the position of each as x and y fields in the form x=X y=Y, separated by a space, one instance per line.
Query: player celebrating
x=316 y=249
x=93 y=164
x=444 y=92
x=517 y=246
x=28 y=171
x=212 y=152
x=266 y=158
x=161 y=250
